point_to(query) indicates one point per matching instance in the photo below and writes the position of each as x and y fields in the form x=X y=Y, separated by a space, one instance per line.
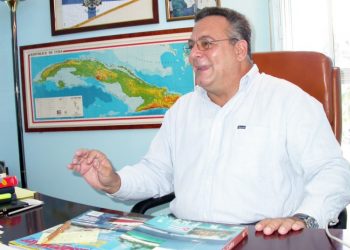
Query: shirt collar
x=247 y=79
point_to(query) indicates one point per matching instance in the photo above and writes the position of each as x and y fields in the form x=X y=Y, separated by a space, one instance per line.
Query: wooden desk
x=56 y=211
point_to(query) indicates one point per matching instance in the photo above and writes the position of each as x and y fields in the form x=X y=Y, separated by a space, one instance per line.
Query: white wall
x=47 y=154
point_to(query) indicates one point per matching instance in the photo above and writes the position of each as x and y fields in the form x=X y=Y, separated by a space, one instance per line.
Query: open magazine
x=94 y=230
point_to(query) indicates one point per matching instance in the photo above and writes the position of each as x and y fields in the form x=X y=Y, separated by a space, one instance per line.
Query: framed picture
x=69 y=16
x=186 y=9
x=115 y=82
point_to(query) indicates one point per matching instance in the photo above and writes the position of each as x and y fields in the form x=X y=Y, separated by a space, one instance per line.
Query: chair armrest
x=142 y=206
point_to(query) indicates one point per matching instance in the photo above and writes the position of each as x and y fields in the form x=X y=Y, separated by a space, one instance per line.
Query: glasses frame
x=210 y=44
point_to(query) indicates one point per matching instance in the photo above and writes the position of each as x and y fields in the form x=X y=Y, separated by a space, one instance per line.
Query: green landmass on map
x=132 y=86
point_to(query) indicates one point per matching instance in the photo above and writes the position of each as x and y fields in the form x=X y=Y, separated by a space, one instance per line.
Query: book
x=168 y=232
x=91 y=230
x=10 y=190
x=7 y=198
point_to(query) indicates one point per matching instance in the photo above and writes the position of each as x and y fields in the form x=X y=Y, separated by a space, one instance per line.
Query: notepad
x=23 y=193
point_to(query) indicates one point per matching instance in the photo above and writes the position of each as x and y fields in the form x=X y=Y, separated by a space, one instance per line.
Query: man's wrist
x=309 y=221
x=114 y=185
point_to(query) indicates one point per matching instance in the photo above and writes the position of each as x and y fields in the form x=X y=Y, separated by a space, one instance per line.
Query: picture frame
x=114 y=82
x=87 y=15
x=185 y=9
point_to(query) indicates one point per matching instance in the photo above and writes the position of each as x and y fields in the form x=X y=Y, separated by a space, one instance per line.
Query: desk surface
x=56 y=211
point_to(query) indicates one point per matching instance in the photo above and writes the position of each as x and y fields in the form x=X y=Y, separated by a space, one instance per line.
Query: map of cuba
x=119 y=83
x=142 y=94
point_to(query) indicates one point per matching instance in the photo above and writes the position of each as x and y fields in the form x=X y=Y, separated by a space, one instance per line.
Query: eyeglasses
x=204 y=44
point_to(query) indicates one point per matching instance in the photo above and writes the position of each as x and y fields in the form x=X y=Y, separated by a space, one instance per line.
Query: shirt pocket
x=258 y=151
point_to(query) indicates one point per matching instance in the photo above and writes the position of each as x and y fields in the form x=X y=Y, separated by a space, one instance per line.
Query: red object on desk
x=8 y=181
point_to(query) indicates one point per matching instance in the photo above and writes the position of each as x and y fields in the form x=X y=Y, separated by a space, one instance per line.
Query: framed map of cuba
x=115 y=82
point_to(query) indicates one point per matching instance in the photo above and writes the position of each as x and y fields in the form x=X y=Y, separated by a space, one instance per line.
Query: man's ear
x=241 y=50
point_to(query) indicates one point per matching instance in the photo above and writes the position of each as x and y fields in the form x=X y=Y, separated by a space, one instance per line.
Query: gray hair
x=240 y=27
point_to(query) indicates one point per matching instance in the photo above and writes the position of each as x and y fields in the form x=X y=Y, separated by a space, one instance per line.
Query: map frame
x=27 y=52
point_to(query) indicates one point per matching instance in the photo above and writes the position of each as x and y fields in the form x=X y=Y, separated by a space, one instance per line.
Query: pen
x=59 y=230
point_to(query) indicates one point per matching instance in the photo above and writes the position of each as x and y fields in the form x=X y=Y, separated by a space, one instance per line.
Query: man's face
x=213 y=67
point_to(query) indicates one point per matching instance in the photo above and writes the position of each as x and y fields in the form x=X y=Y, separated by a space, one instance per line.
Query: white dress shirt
x=268 y=152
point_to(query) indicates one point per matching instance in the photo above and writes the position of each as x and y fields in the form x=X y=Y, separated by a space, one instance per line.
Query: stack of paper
x=24 y=193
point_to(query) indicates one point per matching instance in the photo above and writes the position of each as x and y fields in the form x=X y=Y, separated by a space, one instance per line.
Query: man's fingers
x=271 y=227
x=281 y=225
x=262 y=224
x=285 y=226
x=83 y=159
x=298 y=225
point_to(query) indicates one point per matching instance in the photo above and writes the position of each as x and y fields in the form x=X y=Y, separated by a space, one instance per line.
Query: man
x=244 y=147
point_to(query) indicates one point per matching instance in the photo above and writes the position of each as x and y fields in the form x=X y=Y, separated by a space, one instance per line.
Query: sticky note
x=5 y=196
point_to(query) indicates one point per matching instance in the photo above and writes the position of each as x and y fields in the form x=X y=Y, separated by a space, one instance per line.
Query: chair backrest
x=311 y=71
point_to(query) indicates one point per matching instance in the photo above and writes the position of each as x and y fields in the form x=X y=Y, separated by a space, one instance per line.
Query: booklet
x=168 y=232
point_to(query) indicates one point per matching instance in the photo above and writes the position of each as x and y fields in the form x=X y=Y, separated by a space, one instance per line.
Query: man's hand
x=96 y=169
x=281 y=225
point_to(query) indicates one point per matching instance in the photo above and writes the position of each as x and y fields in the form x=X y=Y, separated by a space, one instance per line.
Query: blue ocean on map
x=157 y=65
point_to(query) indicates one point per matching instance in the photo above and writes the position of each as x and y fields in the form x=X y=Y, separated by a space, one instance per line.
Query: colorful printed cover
x=168 y=232
x=111 y=221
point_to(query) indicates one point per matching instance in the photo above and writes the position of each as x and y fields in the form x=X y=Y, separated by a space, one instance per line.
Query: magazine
x=94 y=230
x=168 y=232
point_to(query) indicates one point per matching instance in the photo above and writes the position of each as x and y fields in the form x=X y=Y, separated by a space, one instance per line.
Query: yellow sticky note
x=5 y=196
x=23 y=193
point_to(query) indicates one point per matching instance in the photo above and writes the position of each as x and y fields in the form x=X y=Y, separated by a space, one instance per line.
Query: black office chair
x=311 y=71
